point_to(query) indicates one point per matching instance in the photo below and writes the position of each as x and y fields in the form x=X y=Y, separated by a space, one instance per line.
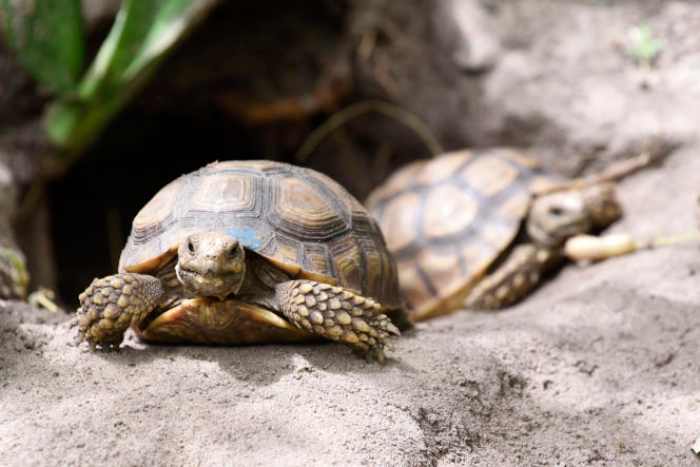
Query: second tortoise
x=479 y=229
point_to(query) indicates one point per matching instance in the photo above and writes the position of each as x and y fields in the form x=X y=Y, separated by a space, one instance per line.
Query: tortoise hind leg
x=336 y=313
x=111 y=304
x=514 y=279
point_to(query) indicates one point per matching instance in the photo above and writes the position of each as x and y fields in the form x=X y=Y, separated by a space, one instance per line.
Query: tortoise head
x=211 y=264
x=557 y=216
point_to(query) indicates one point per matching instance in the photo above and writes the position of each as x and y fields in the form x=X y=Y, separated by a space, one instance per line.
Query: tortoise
x=13 y=270
x=479 y=229
x=245 y=252
x=14 y=278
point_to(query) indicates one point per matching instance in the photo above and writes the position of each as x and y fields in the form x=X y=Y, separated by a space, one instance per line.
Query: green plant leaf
x=645 y=47
x=143 y=34
x=48 y=38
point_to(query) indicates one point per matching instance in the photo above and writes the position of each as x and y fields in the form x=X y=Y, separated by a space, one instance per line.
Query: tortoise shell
x=300 y=220
x=447 y=219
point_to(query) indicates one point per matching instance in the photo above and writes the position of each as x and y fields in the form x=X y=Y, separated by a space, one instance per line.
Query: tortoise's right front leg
x=111 y=304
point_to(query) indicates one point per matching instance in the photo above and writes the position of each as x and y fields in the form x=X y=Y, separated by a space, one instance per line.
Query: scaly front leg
x=519 y=274
x=338 y=314
x=111 y=304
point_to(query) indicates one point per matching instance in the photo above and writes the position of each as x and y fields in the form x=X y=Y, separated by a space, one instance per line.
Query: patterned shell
x=447 y=219
x=299 y=219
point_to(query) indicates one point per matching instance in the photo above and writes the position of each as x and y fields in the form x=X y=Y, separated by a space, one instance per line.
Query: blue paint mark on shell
x=247 y=236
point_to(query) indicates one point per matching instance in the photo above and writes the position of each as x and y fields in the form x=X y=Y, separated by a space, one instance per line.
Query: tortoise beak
x=209 y=285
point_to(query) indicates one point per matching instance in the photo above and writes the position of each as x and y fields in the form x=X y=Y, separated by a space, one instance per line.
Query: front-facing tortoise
x=480 y=229
x=246 y=252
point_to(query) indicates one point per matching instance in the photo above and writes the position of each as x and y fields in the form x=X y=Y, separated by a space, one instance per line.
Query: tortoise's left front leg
x=513 y=280
x=336 y=313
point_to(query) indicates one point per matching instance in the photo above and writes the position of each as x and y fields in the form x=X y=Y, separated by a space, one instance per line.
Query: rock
x=467 y=30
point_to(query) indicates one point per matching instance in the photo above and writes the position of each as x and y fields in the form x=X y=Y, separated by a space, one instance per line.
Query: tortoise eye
x=556 y=211
x=233 y=252
x=190 y=246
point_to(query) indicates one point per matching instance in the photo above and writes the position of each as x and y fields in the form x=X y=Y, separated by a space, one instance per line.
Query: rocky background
x=597 y=368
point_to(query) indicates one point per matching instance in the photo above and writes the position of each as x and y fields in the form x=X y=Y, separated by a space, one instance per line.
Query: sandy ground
x=599 y=367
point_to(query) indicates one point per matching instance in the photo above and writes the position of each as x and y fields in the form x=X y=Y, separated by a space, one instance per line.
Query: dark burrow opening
x=199 y=109
x=93 y=205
